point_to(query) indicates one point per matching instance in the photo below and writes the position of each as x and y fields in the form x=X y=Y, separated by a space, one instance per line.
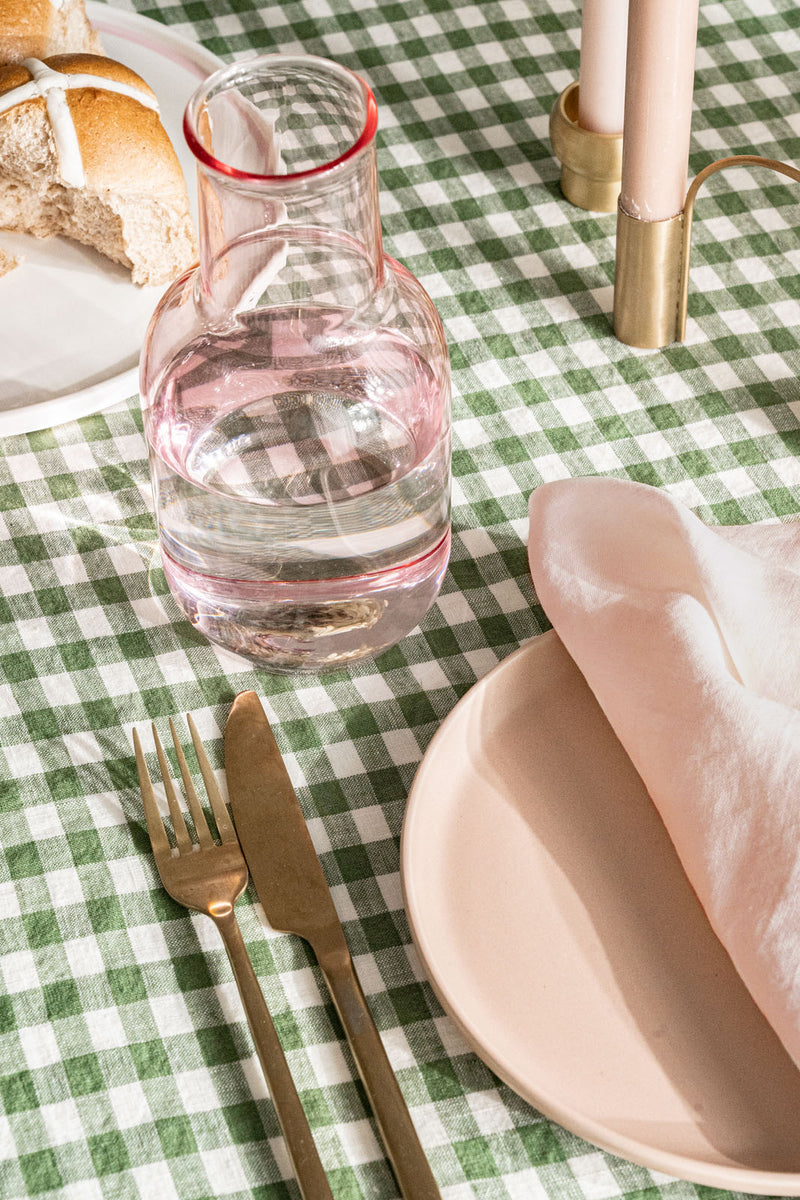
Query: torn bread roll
x=83 y=153
x=41 y=28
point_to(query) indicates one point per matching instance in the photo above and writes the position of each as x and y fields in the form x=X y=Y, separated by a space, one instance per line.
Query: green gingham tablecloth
x=126 y=1068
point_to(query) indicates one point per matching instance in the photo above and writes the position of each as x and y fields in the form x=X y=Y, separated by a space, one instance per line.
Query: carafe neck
x=314 y=243
x=287 y=187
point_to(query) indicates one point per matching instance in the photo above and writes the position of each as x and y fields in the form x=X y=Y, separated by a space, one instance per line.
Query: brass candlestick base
x=591 y=163
x=647 y=280
x=651 y=285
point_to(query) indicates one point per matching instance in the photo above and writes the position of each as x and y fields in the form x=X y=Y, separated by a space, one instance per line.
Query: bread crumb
x=7 y=263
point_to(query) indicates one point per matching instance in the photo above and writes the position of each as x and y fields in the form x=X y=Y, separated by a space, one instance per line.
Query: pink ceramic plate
x=562 y=936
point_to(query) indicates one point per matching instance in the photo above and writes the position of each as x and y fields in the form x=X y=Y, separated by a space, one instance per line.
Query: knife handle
x=309 y=1173
x=411 y=1168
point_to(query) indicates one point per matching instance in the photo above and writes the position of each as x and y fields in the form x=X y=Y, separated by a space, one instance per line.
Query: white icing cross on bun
x=53 y=86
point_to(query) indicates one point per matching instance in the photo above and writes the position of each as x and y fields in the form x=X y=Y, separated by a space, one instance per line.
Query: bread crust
x=40 y=28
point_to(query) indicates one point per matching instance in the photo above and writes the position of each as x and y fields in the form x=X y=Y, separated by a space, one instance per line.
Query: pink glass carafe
x=296 y=385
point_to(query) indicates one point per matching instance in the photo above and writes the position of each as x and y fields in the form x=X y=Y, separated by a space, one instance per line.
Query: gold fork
x=210 y=878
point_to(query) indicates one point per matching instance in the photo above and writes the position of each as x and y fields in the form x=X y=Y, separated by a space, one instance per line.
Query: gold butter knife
x=296 y=899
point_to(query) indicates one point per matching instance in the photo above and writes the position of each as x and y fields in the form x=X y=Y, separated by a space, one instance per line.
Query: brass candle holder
x=591 y=163
x=651 y=283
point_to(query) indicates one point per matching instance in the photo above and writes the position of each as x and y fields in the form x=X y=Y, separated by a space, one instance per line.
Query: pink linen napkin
x=689 y=637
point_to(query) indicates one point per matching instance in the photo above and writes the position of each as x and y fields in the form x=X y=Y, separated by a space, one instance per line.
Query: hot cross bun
x=83 y=153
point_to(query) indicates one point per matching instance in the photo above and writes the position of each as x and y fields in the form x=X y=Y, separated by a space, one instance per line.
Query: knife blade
x=292 y=888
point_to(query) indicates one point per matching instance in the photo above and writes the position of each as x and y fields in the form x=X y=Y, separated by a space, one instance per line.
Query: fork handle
x=411 y=1167
x=309 y=1173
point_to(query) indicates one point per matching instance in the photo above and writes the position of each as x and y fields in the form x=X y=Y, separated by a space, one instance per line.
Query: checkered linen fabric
x=126 y=1069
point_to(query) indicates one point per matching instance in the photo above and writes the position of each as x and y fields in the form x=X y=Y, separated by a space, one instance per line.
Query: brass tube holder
x=651 y=282
x=647 y=279
x=591 y=163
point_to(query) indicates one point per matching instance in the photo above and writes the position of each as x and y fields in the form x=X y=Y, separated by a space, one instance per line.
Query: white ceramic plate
x=71 y=321
x=559 y=931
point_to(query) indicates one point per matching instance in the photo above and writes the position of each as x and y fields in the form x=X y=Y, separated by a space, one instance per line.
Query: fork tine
x=178 y=823
x=198 y=816
x=218 y=806
x=155 y=826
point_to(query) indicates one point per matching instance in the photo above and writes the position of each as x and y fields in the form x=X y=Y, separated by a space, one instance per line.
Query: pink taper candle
x=659 y=82
x=604 y=33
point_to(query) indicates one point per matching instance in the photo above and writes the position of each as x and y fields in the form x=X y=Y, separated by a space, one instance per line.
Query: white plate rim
x=740 y=1179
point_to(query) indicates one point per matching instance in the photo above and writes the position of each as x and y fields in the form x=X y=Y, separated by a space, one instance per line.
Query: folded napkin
x=689 y=637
